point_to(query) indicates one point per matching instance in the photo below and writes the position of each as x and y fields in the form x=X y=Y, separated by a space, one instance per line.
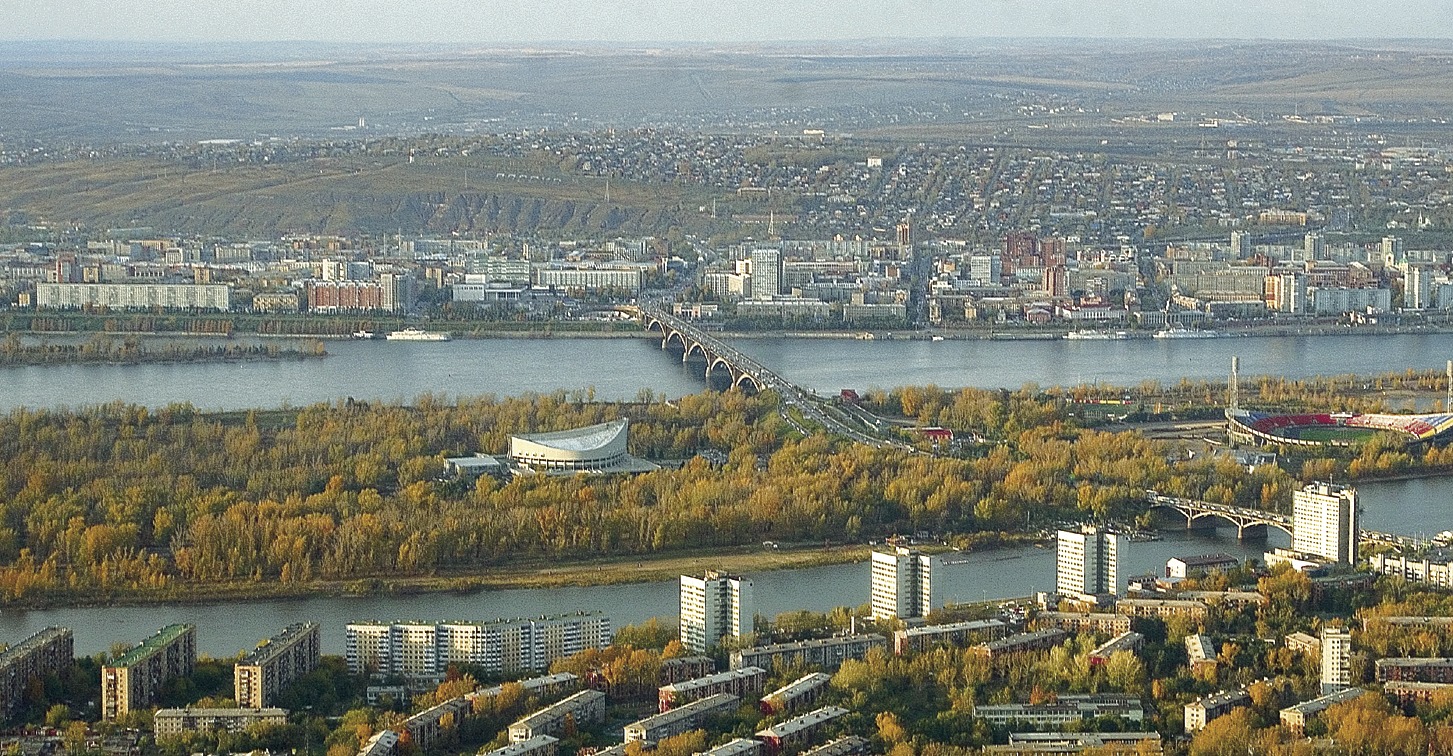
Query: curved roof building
x=595 y=447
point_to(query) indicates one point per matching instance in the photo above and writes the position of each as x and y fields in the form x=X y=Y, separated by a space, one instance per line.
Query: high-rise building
x=1336 y=659
x=260 y=675
x=1240 y=245
x=766 y=273
x=50 y=651
x=1087 y=562
x=1314 y=247
x=902 y=584
x=134 y=680
x=1418 y=288
x=1324 y=522
x=714 y=607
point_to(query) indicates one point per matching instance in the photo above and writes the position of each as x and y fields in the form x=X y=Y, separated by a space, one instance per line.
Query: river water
x=620 y=369
x=224 y=629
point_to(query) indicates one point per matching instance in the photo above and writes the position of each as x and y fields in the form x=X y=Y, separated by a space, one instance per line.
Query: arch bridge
x=1200 y=513
x=718 y=355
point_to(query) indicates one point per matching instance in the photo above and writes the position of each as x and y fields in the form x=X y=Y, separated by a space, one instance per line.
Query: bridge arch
x=1243 y=519
x=696 y=347
x=676 y=336
x=746 y=378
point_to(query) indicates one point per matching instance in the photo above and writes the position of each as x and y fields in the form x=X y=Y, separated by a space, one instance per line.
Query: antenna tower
x=1234 y=389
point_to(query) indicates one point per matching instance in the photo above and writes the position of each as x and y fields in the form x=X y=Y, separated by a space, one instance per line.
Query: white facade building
x=1336 y=659
x=424 y=651
x=1324 y=522
x=902 y=584
x=714 y=607
x=766 y=273
x=134 y=296
x=1087 y=562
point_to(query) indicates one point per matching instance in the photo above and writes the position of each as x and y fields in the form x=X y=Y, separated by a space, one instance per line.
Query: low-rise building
x=1225 y=598
x=794 y=734
x=996 y=651
x=735 y=747
x=1126 y=641
x=1434 y=569
x=424 y=728
x=1439 y=670
x=1083 y=622
x=742 y=683
x=827 y=653
x=173 y=722
x=583 y=708
x=680 y=719
x=382 y=743
x=1409 y=692
x=684 y=668
x=1161 y=608
x=1195 y=566
x=540 y=745
x=1105 y=743
x=1302 y=642
x=1066 y=710
x=134 y=296
x=1201 y=712
x=956 y=633
x=804 y=691
x=1295 y=717
x=1200 y=650
x=844 y=746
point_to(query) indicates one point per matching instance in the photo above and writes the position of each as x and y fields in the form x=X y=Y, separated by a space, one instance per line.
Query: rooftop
x=163 y=638
x=797 y=724
x=579 y=439
x=277 y=643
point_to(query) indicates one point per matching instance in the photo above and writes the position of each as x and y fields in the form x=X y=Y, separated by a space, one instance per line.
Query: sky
x=697 y=21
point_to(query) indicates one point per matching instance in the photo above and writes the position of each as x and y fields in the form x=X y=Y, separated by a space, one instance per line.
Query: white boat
x=1184 y=333
x=937 y=338
x=416 y=334
x=363 y=334
x=1097 y=335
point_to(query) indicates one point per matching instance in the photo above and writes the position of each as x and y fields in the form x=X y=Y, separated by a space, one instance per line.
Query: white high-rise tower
x=714 y=607
x=1324 y=522
x=1087 y=562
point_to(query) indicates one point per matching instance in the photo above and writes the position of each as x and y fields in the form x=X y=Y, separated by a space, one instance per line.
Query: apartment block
x=260 y=675
x=1201 y=712
x=584 y=708
x=793 y=735
x=173 y=722
x=134 y=680
x=1020 y=643
x=681 y=719
x=49 y=651
x=902 y=584
x=1296 y=717
x=827 y=653
x=714 y=607
x=744 y=682
x=735 y=747
x=804 y=691
x=540 y=745
x=1066 y=710
x=1082 y=622
x=955 y=633
x=423 y=651
x=1435 y=670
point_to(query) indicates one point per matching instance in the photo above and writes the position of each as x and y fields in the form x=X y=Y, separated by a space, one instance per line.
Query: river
x=619 y=369
x=224 y=629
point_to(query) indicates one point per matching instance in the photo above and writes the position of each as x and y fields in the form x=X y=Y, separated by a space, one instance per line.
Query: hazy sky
x=494 y=21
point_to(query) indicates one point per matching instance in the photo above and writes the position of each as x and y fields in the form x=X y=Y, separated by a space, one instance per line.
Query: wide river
x=224 y=629
x=621 y=369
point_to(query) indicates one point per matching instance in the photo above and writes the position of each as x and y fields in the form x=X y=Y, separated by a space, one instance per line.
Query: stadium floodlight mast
x=1233 y=389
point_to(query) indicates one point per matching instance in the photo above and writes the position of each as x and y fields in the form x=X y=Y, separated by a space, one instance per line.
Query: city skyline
x=438 y=21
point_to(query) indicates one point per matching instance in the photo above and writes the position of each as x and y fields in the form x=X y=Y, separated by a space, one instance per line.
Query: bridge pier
x=1200 y=523
x=1252 y=532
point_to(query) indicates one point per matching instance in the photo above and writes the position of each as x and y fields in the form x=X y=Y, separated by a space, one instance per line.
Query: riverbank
x=105 y=350
x=575 y=574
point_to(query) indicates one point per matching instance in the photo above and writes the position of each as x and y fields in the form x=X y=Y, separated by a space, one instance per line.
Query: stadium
x=1332 y=429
